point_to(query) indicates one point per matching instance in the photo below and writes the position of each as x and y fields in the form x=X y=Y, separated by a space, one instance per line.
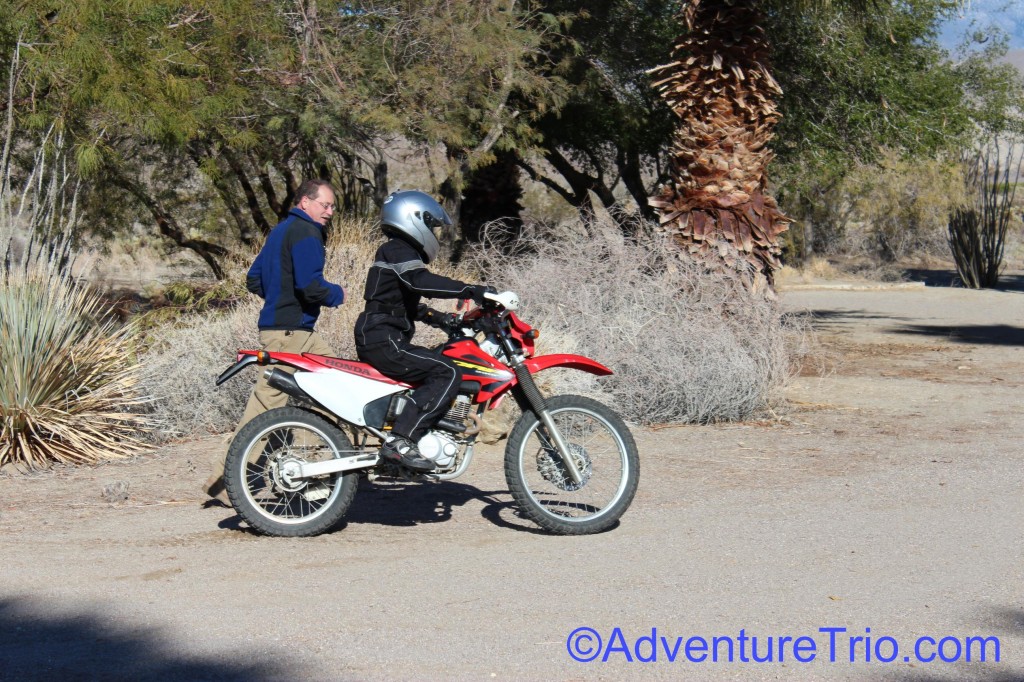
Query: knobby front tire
x=256 y=474
x=604 y=451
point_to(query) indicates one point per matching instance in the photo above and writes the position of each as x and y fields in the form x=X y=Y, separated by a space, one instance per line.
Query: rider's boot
x=401 y=450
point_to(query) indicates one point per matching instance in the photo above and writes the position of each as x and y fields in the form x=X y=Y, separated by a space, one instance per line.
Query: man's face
x=321 y=208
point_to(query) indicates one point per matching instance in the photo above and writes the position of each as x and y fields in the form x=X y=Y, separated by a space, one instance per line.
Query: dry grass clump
x=820 y=268
x=817 y=268
x=185 y=358
x=68 y=380
x=685 y=346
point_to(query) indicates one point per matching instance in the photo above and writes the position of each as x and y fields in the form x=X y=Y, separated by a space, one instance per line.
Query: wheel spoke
x=270 y=464
x=263 y=473
x=599 y=454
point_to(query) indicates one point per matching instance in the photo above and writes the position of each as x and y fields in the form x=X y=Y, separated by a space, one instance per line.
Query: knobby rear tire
x=288 y=511
x=607 y=454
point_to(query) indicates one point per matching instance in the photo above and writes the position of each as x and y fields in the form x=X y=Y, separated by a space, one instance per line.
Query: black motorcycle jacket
x=395 y=283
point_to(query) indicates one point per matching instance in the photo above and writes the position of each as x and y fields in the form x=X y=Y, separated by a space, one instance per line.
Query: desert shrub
x=69 y=389
x=901 y=207
x=183 y=360
x=815 y=198
x=885 y=210
x=685 y=346
x=814 y=268
x=186 y=354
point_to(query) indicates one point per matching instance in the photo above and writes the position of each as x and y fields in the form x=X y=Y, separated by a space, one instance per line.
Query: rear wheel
x=604 y=452
x=261 y=469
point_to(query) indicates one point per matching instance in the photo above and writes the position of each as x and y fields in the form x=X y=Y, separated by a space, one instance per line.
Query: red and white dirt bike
x=570 y=462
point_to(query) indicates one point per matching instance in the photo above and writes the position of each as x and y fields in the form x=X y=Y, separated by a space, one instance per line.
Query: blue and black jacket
x=288 y=274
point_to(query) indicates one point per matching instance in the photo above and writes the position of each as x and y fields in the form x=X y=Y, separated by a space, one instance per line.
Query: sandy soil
x=887 y=496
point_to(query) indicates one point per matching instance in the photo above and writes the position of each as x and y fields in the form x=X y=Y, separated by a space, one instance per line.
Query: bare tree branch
x=169 y=227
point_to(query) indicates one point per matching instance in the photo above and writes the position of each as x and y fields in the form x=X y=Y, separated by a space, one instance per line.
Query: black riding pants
x=437 y=376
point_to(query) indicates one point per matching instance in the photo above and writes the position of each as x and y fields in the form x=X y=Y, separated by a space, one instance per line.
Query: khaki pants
x=264 y=397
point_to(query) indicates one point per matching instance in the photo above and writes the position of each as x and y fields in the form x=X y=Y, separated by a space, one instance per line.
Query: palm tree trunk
x=716 y=206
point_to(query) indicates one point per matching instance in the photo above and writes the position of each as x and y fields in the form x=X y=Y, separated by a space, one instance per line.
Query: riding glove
x=480 y=290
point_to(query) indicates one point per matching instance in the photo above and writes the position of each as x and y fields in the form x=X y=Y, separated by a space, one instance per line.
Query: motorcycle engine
x=439 y=447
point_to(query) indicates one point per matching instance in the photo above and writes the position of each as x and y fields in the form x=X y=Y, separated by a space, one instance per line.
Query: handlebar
x=481 y=319
x=509 y=300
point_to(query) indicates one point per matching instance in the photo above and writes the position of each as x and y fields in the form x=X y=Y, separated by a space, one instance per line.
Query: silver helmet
x=415 y=215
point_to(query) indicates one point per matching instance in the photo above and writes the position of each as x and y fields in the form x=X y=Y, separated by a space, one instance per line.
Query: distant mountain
x=1015 y=57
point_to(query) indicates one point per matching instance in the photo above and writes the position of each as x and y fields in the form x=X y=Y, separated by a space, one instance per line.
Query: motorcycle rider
x=395 y=283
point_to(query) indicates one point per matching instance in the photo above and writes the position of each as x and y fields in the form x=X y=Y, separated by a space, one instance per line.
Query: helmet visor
x=435 y=226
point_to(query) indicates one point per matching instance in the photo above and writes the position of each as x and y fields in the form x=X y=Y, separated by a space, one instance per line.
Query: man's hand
x=448 y=322
x=480 y=290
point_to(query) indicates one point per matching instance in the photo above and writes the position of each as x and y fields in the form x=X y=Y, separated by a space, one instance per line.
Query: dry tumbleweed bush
x=183 y=362
x=685 y=345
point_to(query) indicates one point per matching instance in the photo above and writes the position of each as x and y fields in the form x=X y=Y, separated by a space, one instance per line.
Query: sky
x=1007 y=14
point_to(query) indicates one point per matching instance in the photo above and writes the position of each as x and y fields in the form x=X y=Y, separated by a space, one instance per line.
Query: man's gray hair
x=310 y=188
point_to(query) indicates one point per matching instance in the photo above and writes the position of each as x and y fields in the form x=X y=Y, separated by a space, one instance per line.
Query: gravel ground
x=885 y=498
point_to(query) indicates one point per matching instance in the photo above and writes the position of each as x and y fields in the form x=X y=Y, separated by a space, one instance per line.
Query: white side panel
x=342 y=393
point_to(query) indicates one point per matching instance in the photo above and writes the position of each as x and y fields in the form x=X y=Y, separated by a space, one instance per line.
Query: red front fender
x=566 y=360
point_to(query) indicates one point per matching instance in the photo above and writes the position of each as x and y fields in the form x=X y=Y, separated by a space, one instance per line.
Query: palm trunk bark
x=716 y=205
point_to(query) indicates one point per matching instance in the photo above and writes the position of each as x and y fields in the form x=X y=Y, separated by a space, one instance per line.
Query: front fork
x=539 y=406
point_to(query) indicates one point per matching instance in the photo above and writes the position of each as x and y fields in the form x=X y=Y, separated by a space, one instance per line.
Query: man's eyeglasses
x=326 y=205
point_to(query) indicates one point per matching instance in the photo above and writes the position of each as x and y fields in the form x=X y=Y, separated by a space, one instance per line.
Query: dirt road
x=888 y=497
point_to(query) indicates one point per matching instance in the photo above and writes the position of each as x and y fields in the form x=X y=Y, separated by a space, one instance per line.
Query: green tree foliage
x=466 y=76
x=168 y=102
x=200 y=117
x=613 y=128
x=856 y=86
x=858 y=78
x=850 y=84
x=147 y=92
x=434 y=71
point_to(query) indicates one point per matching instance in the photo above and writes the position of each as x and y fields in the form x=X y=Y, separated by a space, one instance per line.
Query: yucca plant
x=68 y=379
x=67 y=370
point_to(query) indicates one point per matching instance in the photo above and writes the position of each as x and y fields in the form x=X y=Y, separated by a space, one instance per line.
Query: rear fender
x=241 y=363
x=245 y=358
x=342 y=387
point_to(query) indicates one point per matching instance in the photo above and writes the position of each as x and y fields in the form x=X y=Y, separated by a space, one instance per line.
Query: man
x=394 y=285
x=288 y=274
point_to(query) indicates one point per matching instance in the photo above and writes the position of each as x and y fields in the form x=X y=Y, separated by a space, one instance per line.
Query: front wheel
x=261 y=469
x=604 y=452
